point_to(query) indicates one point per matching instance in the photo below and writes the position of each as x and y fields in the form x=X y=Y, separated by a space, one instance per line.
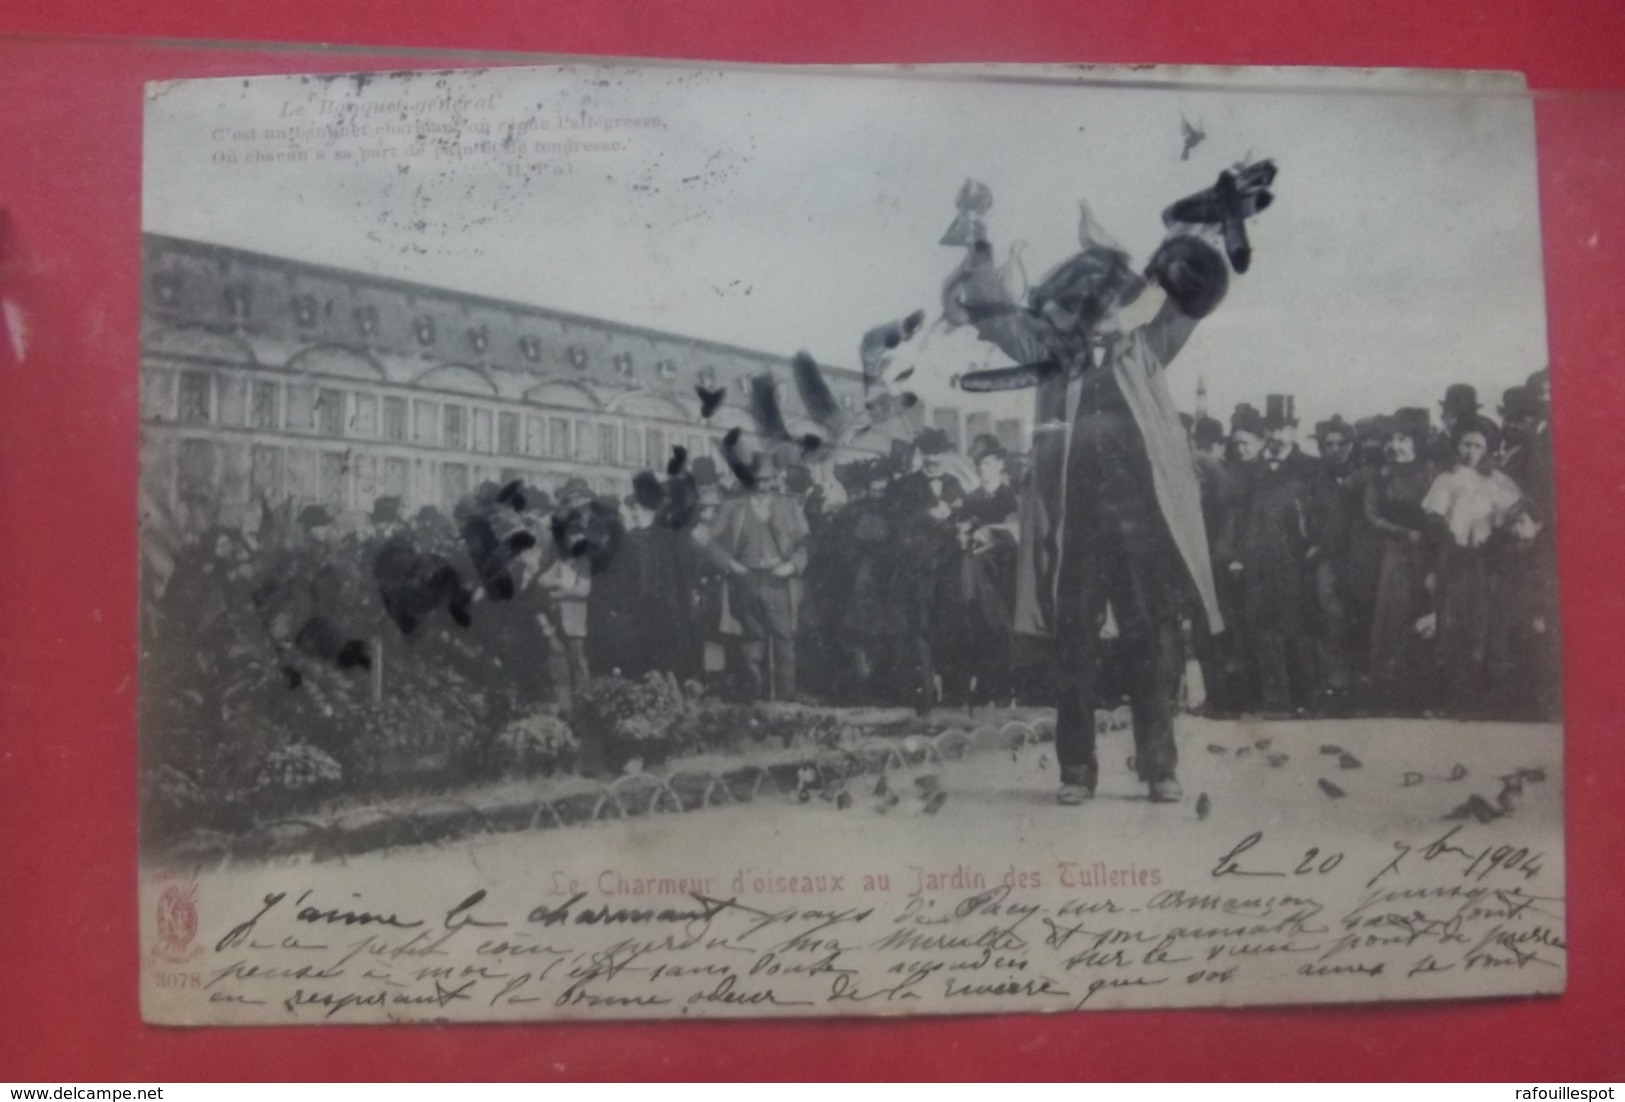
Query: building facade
x=266 y=380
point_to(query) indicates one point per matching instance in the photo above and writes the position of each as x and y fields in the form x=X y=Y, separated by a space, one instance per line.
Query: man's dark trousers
x=1116 y=550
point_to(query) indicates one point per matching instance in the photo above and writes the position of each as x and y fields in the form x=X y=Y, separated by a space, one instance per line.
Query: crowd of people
x=1404 y=569
x=1407 y=569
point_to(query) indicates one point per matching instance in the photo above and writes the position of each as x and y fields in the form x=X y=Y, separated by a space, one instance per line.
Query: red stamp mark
x=177 y=922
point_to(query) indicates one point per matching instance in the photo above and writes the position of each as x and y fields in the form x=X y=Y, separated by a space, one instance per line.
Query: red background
x=69 y=162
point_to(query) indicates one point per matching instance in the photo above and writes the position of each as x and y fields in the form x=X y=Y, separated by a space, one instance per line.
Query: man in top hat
x=1459 y=407
x=1540 y=382
x=1363 y=560
x=937 y=636
x=1209 y=449
x=1336 y=505
x=586 y=536
x=638 y=608
x=1271 y=556
x=867 y=613
x=760 y=542
x=1528 y=459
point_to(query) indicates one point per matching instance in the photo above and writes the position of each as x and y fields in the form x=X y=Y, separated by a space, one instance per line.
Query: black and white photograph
x=646 y=541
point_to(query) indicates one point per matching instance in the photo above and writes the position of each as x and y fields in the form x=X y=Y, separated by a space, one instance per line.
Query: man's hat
x=704 y=470
x=576 y=492
x=386 y=509
x=1412 y=421
x=647 y=491
x=1279 y=411
x=985 y=444
x=1209 y=431
x=1541 y=378
x=1461 y=398
x=853 y=475
x=1519 y=401
x=1187 y=421
x=1336 y=425
x=1377 y=428
x=933 y=441
x=314 y=516
x=797 y=479
x=1247 y=419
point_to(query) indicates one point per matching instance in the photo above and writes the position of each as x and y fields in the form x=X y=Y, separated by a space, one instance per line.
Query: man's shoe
x=1166 y=792
x=1072 y=795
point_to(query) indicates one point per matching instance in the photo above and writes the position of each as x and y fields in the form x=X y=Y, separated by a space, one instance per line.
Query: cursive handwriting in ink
x=239 y=933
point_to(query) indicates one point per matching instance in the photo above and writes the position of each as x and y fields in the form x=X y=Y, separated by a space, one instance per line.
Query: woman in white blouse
x=1471 y=503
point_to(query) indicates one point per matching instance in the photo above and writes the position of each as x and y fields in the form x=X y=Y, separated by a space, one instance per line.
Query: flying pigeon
x=1331 y=789
x=1203 y=806
x=710 y=399
x=1193 y=135
x=745 y=471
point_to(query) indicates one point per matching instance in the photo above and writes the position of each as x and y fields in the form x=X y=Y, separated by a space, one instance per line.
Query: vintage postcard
x=652 y=541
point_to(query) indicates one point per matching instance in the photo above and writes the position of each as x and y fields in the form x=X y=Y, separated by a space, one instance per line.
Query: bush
x=631 y=719
x=537 y=744
x=295 y=776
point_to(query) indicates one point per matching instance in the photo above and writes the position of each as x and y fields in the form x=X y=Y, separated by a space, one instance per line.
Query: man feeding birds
x=1111 y=518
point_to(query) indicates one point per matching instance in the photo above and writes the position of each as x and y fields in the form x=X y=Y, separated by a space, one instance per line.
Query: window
x=233 y=400
x=583 y=442
x=946 y=418
x=634 y=446
x=265 y=473
x=194 y=400
x=330 y=487
x=394 y=418
x=696 y=447
x=558 y=437
x=366 y=479
x=535 y=436
x=426 y=424
x=508 y=433
x=1010 y=435
x=157 y=394
x=398 y=480
x=196 y=469
x=453 y=484
x=364 y=415
x=482 y=430
x=654 y=448
x=301 y=406
x=609 y=437
x=330 y=411
x=977 y=424
x=300 y=470
x=263 y=411
x=456 y=427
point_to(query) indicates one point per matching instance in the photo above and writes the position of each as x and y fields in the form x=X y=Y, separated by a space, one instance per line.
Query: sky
x=784 y=211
